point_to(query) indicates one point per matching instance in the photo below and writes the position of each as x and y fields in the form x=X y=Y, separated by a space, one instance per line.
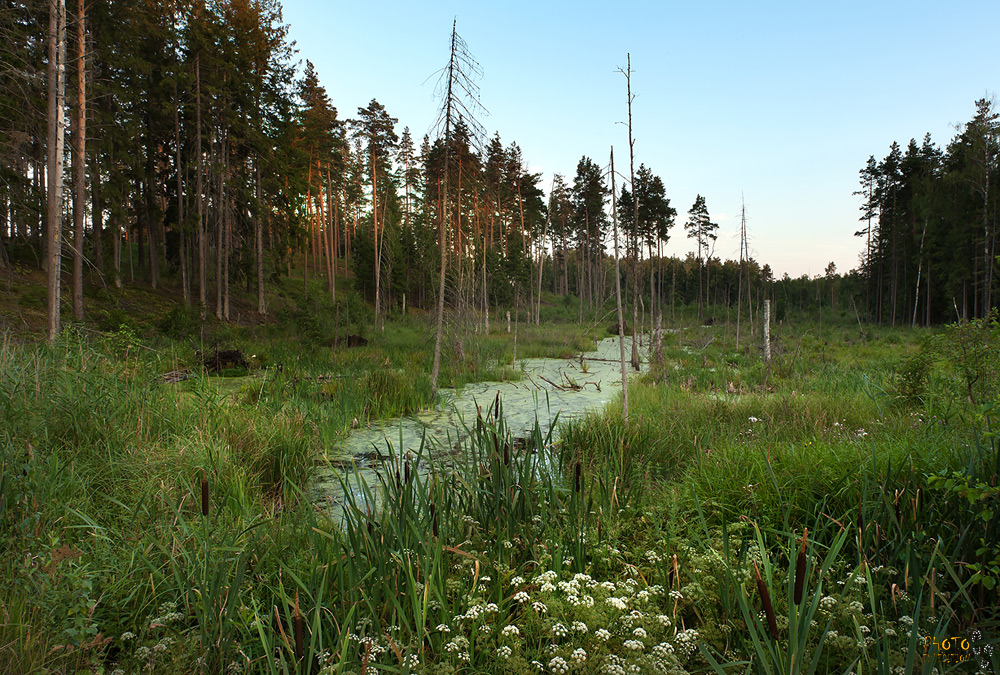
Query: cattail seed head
x=297 y=626
x=765 y=597
x=576 y=482
x=496 y=407
x=204 y=495
x=800 y=570
x=434 y=520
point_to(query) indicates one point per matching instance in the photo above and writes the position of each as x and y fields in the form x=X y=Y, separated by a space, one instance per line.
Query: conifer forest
x=287 y=388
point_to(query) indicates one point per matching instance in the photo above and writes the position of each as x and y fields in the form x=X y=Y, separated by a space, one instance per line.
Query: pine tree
x=701 y=228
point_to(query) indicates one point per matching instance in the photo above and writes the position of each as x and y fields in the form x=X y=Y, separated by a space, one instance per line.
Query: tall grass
x=612 y=547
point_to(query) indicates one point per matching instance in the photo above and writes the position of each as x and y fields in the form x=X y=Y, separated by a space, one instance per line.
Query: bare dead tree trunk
x=457 y=77
x=635 y=218
x=618 y=293
x=541 y=260
x=916 y=292
x=443 y=218
x=767 y=331
x=739 y=292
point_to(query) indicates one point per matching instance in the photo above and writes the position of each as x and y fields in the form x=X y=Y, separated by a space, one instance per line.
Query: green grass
x=636 y=544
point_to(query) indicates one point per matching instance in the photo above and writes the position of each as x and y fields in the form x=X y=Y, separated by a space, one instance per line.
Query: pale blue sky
x=779 y=102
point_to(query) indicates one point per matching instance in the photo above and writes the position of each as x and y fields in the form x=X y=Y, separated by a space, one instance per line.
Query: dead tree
x=635 y=217
x=618 y=292
x=460 y=99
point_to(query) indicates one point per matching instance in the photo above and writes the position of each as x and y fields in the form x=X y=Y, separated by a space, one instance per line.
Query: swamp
x=291 y=387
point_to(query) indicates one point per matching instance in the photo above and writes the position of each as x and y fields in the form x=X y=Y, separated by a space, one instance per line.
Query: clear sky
x=778 y=103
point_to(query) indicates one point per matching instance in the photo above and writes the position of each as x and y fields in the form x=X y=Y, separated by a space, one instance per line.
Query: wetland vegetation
x=169 y=525
x=258 y=282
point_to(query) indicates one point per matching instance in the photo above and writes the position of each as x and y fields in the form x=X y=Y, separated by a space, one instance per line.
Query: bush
x=909 y=385
x=972 y=348
x=179 y=323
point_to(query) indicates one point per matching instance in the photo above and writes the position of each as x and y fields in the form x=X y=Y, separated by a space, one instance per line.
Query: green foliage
x=649 y=546
x=180 y=323
x=972 y=348
x=910 y=384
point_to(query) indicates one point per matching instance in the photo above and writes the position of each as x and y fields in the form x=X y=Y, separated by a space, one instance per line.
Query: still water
x=548 y=388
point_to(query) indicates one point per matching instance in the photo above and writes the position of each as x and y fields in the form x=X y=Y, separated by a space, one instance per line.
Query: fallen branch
x=607 y=360
x=552 y=383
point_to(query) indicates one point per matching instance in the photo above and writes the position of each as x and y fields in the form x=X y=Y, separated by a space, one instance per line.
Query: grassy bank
x=873 y=443
x=148 y=525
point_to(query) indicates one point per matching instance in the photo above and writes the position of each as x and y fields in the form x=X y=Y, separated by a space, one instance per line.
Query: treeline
x=196 y=152
x=930 y=227
x=185 y=148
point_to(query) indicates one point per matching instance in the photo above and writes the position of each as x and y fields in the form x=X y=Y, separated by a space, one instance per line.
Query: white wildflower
x=558 y=665
x=617 y=603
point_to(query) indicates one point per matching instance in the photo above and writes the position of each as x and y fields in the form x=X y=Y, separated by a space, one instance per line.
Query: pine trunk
x=79 y=161
x=56 y=75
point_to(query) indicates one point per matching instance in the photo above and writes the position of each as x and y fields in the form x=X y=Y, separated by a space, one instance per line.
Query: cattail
x=576 y=483
x=765 y=597
x=434 y=520
x=297 y=624
x=496 y=408
x=204 y=495
x=406 y=470
x=800 y=570
x=506 y=455
x=365 y=655
x=861 y=516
